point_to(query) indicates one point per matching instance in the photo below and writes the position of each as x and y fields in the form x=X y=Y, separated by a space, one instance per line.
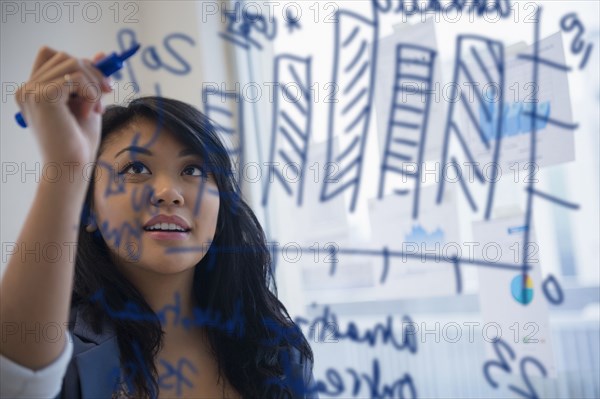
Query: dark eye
x=135 y=167
x=195 y=170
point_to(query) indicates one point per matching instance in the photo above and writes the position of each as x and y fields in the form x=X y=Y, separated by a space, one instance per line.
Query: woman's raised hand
x=61 y=103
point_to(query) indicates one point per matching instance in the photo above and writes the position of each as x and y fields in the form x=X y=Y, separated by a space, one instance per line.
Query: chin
x=166 y=270
x=167 y=264
x=160 y=263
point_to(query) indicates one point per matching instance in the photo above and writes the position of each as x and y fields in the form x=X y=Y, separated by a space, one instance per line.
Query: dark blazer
x=94 y=371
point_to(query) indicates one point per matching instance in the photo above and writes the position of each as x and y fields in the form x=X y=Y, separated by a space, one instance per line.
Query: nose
x=165 y=195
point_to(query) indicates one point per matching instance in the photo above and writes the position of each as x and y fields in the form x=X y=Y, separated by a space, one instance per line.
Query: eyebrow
x=142 y=150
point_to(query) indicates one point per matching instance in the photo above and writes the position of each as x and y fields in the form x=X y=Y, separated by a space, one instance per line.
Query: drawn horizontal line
x=409 y=76
x=396 y=155
x=411 y=143
x=410 y=89
x=552 y=198
x=405 y=124
x=545 y=62
x=400 y=171
x=423 y=256
x=409 y=108
x=413 y=61
x=564 y=125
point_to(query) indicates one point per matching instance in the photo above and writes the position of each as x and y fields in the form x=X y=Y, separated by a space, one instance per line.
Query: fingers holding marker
x=34 y=90
x=98 y=56
x=69 y=84
x=59 y=67
x=79 y=84
x=107 y=80
x=51 y=62
x=43 y=56
x=76 y=88
x=54 y=75
x=85 y=95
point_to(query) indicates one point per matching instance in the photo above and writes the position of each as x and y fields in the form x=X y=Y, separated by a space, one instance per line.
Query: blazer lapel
x=96 y=357
x=99 y=370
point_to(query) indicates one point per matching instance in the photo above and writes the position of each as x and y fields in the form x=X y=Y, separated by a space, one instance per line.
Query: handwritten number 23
x=503 y=364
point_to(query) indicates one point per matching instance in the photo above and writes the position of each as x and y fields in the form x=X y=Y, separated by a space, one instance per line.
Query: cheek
x=206 y=219
x=119 y=225
x=113 y=203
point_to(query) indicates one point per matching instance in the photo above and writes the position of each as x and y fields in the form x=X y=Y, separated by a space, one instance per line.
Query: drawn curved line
x=347 y=150
x=466 y=150
x=293 y=100
x=349 y=39
x=586 y=56
x=291 y=140
x=344 y=171
x=339 y=189
x=354 y=101
x=474 y=120
x=497 y=58
x=298 y=80
x=356 y=77
x=483 y=68
x=282 y=180
x=464 y=187
x=283 y=155
x=488 y=115
x=290 y=122
x=360 y=116
x=362 y=49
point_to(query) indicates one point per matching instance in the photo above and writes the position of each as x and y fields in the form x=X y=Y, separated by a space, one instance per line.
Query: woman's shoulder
x=94 y=367
x=80 y=326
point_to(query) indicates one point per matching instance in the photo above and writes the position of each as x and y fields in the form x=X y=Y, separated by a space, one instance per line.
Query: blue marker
x=107 y=66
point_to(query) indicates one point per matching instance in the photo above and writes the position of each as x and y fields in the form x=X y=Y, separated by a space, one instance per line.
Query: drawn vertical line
x=498 y=144
x=532 y=151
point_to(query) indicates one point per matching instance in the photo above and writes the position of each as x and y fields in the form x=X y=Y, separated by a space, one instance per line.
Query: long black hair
x=233 y=280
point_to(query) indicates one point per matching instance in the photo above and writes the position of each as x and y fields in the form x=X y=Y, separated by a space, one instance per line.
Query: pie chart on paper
x=521 y=295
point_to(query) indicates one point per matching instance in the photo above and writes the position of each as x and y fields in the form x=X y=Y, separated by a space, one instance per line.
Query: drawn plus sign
x=293 y=22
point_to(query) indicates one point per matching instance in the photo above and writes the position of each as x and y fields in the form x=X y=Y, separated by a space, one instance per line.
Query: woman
x=170 y=293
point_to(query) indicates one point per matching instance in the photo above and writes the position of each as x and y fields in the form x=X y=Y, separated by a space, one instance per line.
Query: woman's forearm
x=35 y=290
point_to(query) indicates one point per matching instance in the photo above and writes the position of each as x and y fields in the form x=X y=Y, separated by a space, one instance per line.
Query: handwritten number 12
x=502 y=363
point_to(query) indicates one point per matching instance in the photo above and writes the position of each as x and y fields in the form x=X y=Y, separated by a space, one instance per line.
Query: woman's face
x=141 y=175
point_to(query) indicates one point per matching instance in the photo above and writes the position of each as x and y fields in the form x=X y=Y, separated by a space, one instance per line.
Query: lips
x=168 y=219
x=168 y=235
